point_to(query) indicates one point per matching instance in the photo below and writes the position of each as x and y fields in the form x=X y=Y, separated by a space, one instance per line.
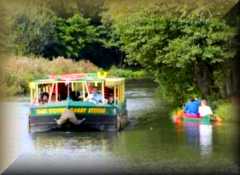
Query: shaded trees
x=33 y=31
x=184 y=46
x=182 y=52
x=74 y=34
x=233 y=83
x=41 y=32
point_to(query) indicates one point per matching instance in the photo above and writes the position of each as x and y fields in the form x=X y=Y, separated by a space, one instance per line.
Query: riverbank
x=18 y=71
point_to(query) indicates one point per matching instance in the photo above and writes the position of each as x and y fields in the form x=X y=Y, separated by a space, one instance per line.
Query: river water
x=157 y=146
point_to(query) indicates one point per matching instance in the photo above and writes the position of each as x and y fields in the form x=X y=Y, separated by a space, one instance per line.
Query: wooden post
x=31 y=95
x=68 y=90
x=83 y=91
x=56 y=92
x=87 y=87
x=103 y=97
x=37 y=94
x=123 y=91
x=118 y=93
x=50 y=94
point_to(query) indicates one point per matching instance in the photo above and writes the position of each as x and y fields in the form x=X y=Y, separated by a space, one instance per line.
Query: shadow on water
x=154 y=145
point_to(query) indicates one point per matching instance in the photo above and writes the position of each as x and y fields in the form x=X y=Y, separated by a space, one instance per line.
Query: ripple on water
x=163 y=147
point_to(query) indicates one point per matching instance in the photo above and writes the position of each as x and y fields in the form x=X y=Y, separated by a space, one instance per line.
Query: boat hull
x=202 y=120
x=93 y=117
x=101 y=123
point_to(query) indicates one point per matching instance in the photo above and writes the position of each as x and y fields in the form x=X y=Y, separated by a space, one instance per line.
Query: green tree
x=33 y=31
x=180 y=51
x=75 y=33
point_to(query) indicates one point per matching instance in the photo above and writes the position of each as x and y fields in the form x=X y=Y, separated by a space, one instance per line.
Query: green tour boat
x=78 y=101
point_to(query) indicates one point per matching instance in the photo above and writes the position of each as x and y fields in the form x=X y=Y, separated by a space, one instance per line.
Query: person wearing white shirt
x=204 y=109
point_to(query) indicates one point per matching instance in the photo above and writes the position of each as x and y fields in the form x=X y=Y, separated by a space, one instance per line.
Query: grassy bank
x=18 y=71
x=226 y=110
x=128 y=73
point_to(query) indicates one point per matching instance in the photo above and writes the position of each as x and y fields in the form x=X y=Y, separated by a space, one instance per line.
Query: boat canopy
x=111 y=82
x=62 y=86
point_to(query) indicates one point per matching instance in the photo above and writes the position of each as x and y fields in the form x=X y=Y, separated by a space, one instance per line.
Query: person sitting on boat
x=44 y=97
x=79 y=96
x=95 y=96
x=204 y=109
x=110 y=100
x=191 y=108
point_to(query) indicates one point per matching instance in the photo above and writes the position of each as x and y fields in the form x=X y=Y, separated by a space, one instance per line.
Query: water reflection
x=205 y=139
x=55 y=142
x=199 y=136
x=192 y=133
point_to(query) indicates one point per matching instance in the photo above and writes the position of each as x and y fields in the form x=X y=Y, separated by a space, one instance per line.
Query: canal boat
x=78 y=101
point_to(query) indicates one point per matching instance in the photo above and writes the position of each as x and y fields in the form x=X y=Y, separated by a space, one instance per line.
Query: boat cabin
x=92 y=87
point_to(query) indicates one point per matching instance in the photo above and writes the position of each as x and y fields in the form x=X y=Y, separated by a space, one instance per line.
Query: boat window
x=114 y=91
x=62 y=91
x=94 y=91
x=108 y=92
x=43 y=96
x=77 y=91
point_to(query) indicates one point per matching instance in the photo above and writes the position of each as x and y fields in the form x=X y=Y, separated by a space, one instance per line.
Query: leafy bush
x=33 y=31
x=74 y=34
x=127 y=73
x=18 y=71
x=179 y=51
x=225 y=110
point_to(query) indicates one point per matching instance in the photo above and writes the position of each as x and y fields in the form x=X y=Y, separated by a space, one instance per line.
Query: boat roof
x=76 y=77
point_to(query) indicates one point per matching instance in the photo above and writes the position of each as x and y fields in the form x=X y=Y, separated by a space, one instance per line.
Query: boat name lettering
x=79 y=110
x=97 y=110
x=52 y=110
x=75 y=110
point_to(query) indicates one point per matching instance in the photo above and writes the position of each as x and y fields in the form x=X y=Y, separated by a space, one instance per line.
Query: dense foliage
x=180 y=52
x=33 y=32
x=75 y=34
x=41 y=32
x=186 y=46
x=18 y=71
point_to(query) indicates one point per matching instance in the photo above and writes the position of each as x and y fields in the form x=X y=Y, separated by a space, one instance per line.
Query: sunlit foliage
x=179 y=51
x=185 y=45
x=74 y=34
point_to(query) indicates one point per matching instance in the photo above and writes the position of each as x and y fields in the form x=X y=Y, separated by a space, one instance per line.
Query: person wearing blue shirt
x=95 y=96
x=192 y=106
